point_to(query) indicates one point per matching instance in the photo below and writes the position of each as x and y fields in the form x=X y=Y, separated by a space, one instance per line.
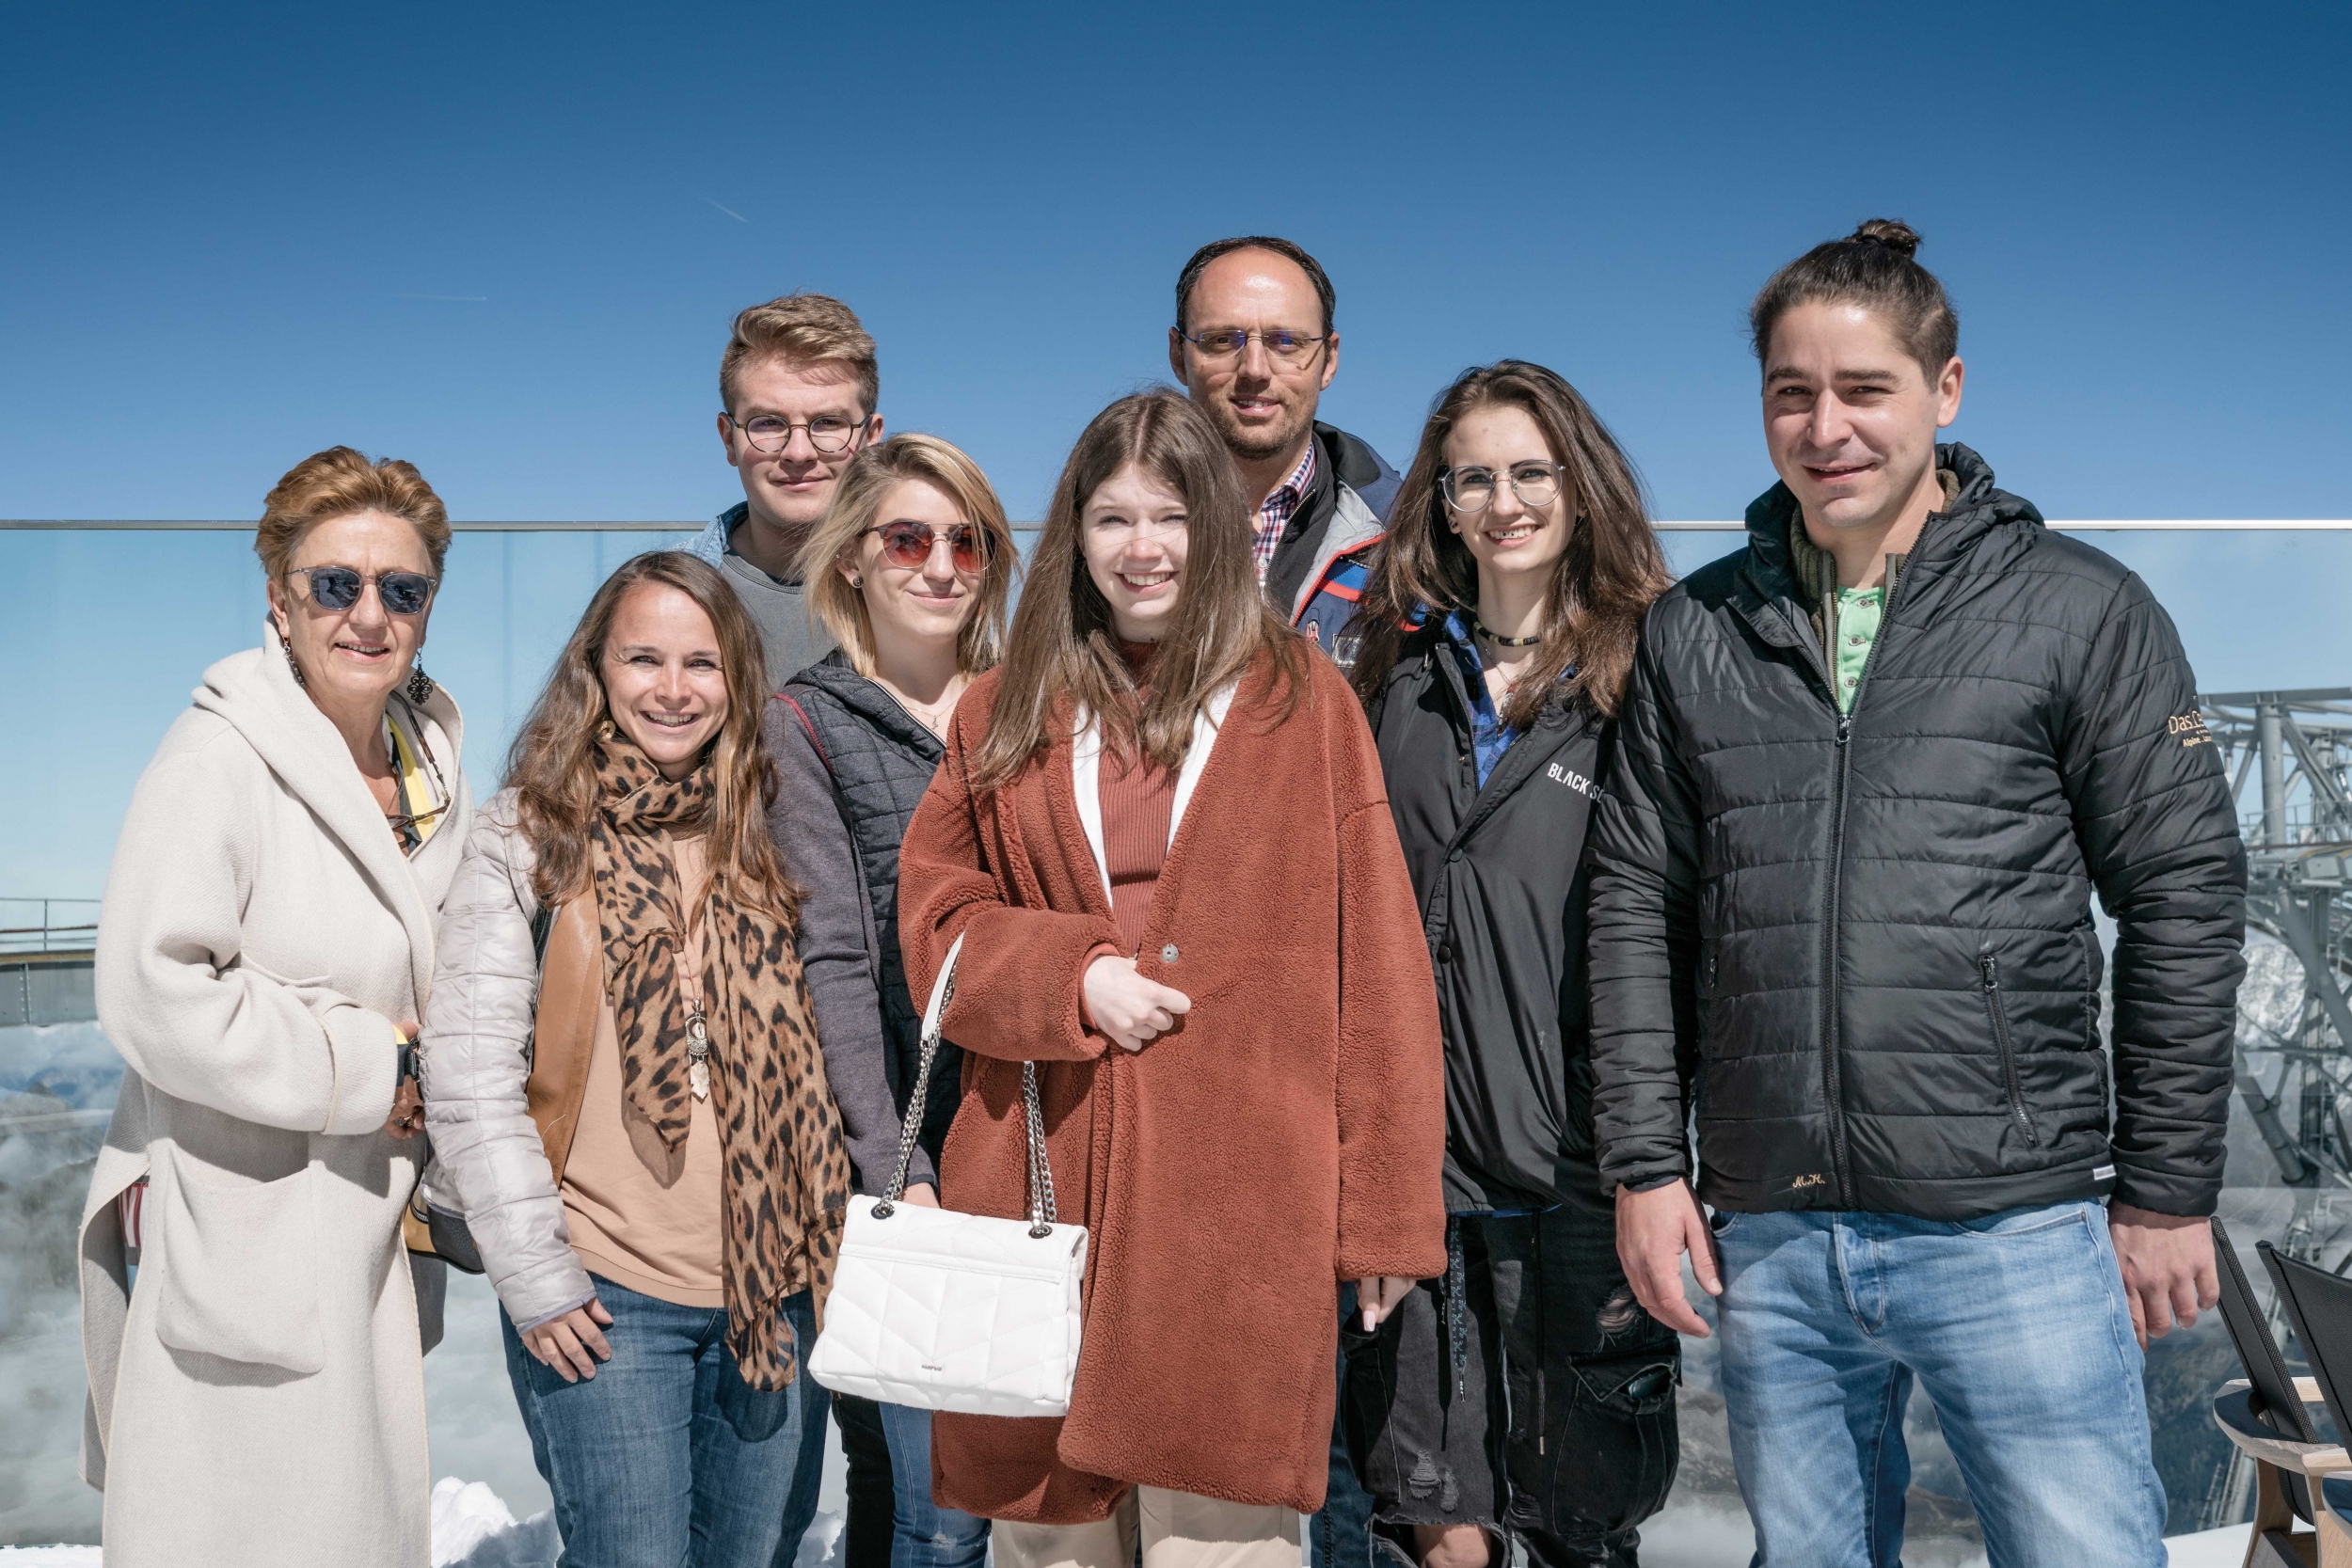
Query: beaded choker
x=1480 y=627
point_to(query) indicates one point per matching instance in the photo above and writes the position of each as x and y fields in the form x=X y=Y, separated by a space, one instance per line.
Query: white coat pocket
x=240 y=1269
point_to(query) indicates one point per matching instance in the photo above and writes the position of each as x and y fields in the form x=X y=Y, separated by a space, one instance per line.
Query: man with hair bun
x=798 y=386
x=1871 y=769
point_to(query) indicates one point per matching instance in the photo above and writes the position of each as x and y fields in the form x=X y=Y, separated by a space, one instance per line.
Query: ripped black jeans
x=1525 y=1392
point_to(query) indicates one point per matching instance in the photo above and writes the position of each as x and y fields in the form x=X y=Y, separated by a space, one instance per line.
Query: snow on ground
x=472 y=1525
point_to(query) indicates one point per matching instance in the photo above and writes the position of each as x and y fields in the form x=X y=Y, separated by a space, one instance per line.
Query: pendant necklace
x=697 y=1028
x=697 y=1052
x=934 y=718
x=1492 y=663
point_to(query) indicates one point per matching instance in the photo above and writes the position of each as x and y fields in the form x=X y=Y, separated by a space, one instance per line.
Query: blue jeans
x=2016 y=1327
x=924 y=1533
x=667 y=1458
x=1340 y=1533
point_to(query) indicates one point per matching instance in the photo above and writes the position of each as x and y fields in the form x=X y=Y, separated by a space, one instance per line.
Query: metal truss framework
x=2298 y=849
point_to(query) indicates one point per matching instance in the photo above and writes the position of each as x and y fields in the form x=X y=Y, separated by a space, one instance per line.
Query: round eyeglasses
x=772 y=433
x=1536 y=484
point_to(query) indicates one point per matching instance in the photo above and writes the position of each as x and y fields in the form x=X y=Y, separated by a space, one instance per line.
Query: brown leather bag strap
x=572 y=994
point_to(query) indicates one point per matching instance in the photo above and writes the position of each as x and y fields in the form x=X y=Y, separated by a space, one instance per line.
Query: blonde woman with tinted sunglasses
x=910 y=571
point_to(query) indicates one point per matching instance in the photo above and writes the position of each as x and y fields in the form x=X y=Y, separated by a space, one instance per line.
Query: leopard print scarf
x=785 y=1178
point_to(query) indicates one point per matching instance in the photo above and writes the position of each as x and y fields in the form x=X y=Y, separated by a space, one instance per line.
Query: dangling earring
x=293 y=663
x=419 y=685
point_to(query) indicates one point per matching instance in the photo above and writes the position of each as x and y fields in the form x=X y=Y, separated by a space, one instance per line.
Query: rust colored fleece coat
x=1286 y=1136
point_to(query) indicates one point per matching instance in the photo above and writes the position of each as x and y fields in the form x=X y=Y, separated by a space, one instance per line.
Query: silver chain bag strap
x=948 y=1311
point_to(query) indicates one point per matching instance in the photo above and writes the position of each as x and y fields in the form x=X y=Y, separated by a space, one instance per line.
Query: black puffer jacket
x=1862 y=946
x=853 y=765
x=1499 y=872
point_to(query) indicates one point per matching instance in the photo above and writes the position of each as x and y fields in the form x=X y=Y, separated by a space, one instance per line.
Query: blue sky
x=504 y=242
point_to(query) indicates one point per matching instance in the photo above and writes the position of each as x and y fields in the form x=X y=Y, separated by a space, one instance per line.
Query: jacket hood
x=834 y=677
x=1981 y=507
x=711 y=543
x=255 y=695
x=1346 y=506
x=1353 y=462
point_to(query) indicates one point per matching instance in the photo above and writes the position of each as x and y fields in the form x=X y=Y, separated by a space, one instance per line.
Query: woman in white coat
x=263 y=955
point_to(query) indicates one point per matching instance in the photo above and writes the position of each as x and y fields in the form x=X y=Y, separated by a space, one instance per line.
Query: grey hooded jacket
x=489 y=1164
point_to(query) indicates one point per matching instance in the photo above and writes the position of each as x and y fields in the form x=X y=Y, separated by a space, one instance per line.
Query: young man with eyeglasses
x=1254 y=347
x=798 y=385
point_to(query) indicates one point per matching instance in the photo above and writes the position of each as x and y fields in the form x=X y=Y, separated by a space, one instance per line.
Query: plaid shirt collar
x=1275 y=513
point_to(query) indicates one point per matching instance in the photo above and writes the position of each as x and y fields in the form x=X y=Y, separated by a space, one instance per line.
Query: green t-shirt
x=1858 y=613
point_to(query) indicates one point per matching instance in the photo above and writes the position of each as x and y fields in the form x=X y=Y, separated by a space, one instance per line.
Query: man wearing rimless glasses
x=1255 y=346
x=799 y=382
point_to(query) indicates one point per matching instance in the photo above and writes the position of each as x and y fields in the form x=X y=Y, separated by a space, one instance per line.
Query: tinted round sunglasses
x=339 y=587
x=911 y=544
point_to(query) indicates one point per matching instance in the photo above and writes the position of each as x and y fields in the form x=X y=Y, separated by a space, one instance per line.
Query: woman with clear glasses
x=911 y=570
x=1524 y=1394
x=1158 y=830
x=627 y=1099
x=265 y=949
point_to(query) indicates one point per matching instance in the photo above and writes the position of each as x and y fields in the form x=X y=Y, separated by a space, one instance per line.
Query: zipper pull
x=1992 y=972
x=1845 y=726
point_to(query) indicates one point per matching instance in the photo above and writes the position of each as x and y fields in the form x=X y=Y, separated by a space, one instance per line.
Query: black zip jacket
x=1499 y=875
x=838 y=820
x=1860 y=948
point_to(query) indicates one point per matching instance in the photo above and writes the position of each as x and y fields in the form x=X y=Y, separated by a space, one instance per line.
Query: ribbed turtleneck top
x=1137 y=798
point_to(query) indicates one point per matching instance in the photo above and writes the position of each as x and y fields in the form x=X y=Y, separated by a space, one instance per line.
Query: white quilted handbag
x=947 y=1311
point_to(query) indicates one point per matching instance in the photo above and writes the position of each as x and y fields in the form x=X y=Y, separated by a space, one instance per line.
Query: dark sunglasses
x=910 y=544
x=339 y=587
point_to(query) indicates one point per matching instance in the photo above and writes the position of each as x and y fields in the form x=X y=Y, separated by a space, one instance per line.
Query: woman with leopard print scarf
x=625 y=1093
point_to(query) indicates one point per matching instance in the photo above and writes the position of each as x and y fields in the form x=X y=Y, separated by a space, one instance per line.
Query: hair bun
x=1895 y=234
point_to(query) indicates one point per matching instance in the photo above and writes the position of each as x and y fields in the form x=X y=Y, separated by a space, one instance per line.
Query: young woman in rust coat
x=1160 y=828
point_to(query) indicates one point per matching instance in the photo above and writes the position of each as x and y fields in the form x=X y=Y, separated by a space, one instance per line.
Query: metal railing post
x=2267 y=735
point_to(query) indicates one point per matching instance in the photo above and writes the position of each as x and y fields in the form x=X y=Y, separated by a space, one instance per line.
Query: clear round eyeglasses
x=1536 y=483
x=772 y=433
